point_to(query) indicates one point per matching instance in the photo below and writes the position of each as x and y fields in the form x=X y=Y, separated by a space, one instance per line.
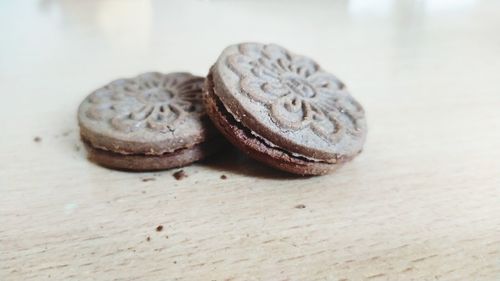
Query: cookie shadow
x=231 y=160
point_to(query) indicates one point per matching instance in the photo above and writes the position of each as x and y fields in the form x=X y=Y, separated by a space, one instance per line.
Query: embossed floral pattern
x=297 y=92
x=152 y=100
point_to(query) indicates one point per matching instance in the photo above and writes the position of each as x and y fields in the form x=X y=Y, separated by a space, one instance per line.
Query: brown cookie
x=150 y=122
x=283 y=109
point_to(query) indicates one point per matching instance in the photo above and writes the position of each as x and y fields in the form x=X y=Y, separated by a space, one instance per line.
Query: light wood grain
x=422 y=202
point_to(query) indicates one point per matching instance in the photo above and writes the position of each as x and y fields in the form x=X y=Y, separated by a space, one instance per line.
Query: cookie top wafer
x=150 y=114
x=289 y=101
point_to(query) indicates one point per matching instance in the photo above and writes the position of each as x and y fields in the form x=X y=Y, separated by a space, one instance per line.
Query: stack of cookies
x=281 y=109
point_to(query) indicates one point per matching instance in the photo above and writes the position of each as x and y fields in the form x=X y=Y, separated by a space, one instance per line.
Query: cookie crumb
x=37 y=139
x=148 y=239
x=300 y=206
x=77 y=147
x=143 y=192
x=159 y=228
x=66 y=133
x=175 y=262
x=179 y=175
x=223 y=177
x=148 y=179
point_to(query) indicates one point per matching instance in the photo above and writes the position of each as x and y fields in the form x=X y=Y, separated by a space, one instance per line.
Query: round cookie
x=150 y=122
x=284 y=109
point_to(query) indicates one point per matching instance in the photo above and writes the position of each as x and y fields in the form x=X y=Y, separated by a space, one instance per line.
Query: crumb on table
x=179 y=175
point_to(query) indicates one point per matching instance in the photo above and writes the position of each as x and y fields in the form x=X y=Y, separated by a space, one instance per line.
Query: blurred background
x=354 y=39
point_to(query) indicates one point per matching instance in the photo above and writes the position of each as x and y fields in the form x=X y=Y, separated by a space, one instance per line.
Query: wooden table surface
x=422 y=202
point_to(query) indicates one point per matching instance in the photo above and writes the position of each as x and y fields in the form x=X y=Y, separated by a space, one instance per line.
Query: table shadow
x=231 y=160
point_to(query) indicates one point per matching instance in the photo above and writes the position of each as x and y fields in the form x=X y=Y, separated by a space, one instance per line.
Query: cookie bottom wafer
x=142 y=162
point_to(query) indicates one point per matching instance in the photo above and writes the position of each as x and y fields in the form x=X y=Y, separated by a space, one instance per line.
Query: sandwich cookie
x=283 y=109
x=150 y=122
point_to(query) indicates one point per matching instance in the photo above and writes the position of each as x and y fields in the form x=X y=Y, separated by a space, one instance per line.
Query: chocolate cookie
x=151 y=122
x=283 y=109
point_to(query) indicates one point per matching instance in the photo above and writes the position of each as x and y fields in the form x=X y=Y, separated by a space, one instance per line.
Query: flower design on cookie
x=297 y=92
x=153 y=100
